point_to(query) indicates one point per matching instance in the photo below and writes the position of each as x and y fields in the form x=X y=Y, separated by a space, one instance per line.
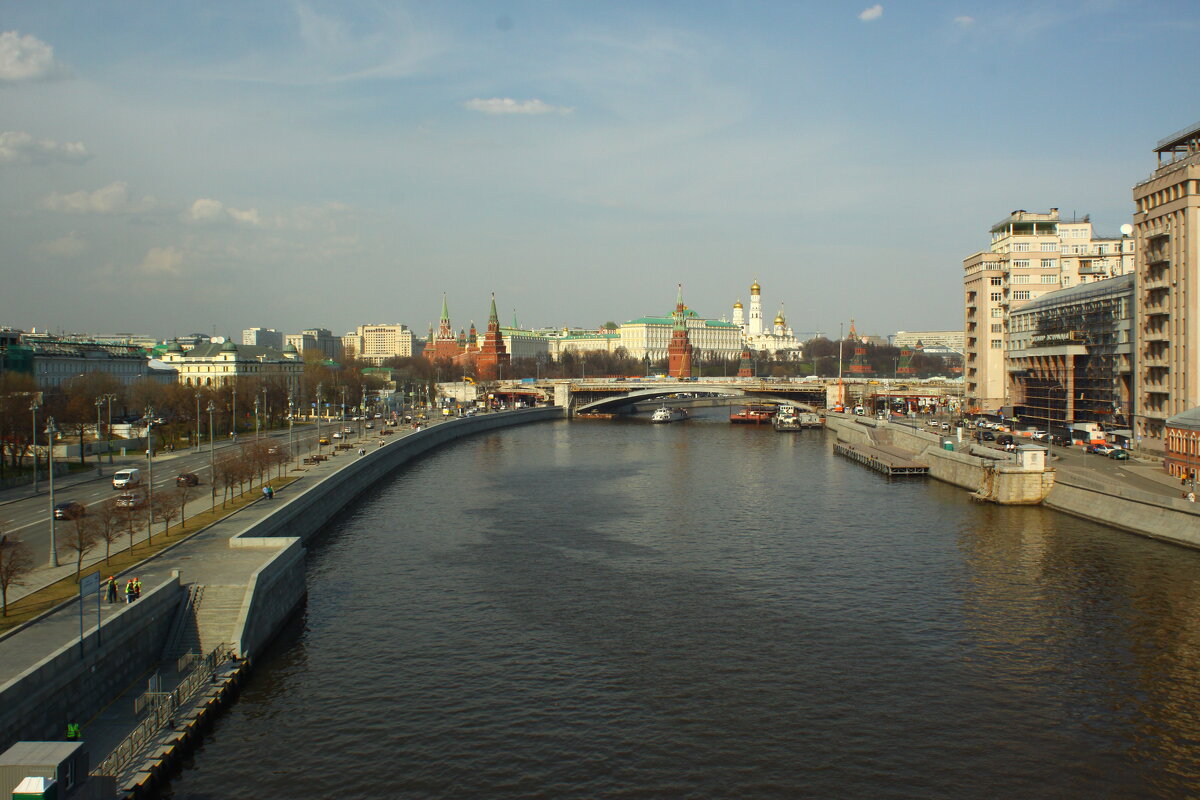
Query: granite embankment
x=1072 y=491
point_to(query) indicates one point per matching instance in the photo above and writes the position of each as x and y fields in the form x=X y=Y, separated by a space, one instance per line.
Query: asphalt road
x=28 y=518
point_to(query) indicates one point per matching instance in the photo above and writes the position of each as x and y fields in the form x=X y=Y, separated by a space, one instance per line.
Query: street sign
x=89 y=584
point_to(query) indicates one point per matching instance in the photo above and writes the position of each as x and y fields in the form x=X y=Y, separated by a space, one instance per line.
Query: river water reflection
x=584 y=610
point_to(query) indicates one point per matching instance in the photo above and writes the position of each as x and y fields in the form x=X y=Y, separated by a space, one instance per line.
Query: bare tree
x=80 y=540
x=16 y=561
x=225 y=472
x=166 y=507
x=108 y=520
x=183 y=495
x=131 y=520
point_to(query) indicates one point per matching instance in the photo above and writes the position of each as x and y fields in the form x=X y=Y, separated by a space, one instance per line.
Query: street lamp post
x=33 y=442
x=291 y=423
x=212 y=460
x=51 y=430
x=99 y=463
x=233 y=415
x=320 y=389
x=197 y=422
x=108 y=398
x=149 y=473
x=256 y=417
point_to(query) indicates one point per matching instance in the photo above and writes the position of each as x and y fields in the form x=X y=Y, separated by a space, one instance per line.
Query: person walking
x=129 y=592
x=74 y=732
x=112 y=589
x=137 y=589
x=266 y=492
x=270 y=492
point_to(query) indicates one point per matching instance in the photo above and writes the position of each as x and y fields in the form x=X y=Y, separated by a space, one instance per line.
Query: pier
x=888 y=460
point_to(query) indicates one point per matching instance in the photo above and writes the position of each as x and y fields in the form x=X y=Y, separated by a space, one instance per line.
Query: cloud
x=111 y=199
x=26 y=58
x=161 y=261
x=872 y=13
x=208 y=210
x=69 y=246
x=506 y=105
x=18 y=147
x=964 y=21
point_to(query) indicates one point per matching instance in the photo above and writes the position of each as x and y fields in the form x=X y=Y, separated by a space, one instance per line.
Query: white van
x=125 y=478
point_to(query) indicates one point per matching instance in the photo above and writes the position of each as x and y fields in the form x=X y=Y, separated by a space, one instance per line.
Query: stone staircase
x=206 y=621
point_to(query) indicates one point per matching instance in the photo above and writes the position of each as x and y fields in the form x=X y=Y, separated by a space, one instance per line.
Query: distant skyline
x=169 y=168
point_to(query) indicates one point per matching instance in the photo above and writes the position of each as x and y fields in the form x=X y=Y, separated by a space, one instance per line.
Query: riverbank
x=50 y=674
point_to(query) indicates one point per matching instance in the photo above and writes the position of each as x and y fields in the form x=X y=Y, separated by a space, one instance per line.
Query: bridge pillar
x=562 y=396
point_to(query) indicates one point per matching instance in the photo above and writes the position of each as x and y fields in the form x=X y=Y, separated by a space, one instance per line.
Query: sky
x=176 y=167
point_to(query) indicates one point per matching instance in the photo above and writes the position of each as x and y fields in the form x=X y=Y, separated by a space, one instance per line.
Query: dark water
x=703 y=610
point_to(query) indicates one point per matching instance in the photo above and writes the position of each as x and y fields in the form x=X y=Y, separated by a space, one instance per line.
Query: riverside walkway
x=204 y=557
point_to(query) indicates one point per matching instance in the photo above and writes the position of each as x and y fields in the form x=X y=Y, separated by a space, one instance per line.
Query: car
x=1119 y=454
x=339 y=435
x=1061 y=441
x=324 y=439
x=1039 y=435
x=131 y=500
x=945 y=426
x=273 y=450
x=187 y=479
x=1004 y=438
x=347 y=429
x=370 y=426
x=1102 y=449
x=985 y=436
x=69 y=510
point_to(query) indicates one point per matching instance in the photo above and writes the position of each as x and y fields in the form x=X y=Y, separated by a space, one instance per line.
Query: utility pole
x=50 y=431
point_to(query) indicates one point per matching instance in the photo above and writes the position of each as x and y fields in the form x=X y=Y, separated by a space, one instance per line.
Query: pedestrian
x=129 y=591
x=137 y=589
x=270 y=492
x=266 y=492
x=1191 y=497
x=74 y=732
x=112 y=589
x=362 y=451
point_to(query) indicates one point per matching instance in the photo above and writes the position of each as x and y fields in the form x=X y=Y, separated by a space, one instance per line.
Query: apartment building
x=1167 y=230
x=263 y=337
x=1031 y=254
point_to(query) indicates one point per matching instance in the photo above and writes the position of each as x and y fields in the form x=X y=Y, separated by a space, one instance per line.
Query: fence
x=160 y=708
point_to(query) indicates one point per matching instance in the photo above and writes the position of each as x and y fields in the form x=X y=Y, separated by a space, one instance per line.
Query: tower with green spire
x=493 y=355
x=679 y=351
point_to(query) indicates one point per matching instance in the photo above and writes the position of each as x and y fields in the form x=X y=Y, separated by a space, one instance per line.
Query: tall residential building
x=1167 y=230
x=377 y=343
x=263 y=337
x=318 y=340
x=1030 y=254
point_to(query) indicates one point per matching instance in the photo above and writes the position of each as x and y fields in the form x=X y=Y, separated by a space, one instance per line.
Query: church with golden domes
x=757 y=336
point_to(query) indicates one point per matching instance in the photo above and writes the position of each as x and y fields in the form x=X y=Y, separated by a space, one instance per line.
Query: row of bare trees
x=235 y=468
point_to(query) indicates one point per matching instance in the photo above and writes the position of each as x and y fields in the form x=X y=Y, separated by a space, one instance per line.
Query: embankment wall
x=1170 y=519
x=37 y=704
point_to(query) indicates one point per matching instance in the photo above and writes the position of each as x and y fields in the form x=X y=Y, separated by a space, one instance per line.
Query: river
x=702 y=610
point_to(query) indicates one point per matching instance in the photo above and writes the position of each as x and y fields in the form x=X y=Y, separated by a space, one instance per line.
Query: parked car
x=1061 y=441
x=131 y=500
x=187 y=479
x=1004 y=438
x=1119 y=454
x=1039 y=435
x=69 y=510
x=338 y=435
x=347 y=429
x=985 y=436
x=1102 y=449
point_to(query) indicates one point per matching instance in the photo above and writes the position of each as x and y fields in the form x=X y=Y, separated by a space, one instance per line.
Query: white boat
x=665 y=414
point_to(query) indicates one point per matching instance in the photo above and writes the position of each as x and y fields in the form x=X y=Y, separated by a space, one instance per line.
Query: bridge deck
x=888 y=460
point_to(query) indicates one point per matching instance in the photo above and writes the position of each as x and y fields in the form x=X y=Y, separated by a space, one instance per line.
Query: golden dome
x=755 y=288
x=738 y=304
x=779 y=320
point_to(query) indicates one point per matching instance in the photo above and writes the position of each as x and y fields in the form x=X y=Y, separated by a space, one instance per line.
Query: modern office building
x=1025 y=261
x=1166 y=226
x=1070 y=355
x=263 y=337
x=952 y=340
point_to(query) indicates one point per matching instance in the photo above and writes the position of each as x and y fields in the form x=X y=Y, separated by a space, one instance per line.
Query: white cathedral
x=757 y=337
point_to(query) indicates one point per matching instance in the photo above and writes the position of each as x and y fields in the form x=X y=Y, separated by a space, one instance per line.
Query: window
x=997 y=344
x=997 y=297
x=996 y=280
x=1024 y=295
x=1049 y=263
x=1049 y=279
x=1021 y=263
x=997 y=327
x=997 y=312
x=1066 y=280
x=1049 y=247
x=1021 y=247
x=1020 y=279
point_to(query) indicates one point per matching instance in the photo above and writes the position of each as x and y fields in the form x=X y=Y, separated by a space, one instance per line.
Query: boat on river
x=787 y=418
x=666 y=414
x=753 y=414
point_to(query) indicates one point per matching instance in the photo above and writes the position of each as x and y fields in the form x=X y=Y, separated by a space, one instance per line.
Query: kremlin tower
x=858 y=364
x=755 y=327
x=679 y=351
x=492 y=355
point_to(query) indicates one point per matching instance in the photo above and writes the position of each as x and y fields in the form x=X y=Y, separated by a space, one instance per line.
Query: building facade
x=1167 y=230
x=263 y=337
x=758 y=336
x=216 y=364
x=379 y=342
x=1070 y=355
x=53 y=362
x=1182 y=446
x=1024 y=261
x=953 y=340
